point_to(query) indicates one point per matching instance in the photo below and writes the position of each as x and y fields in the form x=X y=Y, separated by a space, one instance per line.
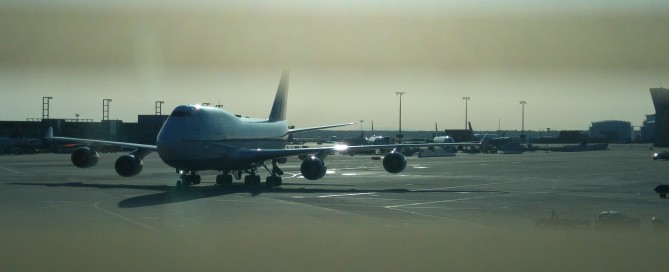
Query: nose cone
x=179 y=125
x=177 y=128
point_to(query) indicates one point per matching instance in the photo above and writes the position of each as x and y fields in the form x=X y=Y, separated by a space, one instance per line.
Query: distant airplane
x=197 y=138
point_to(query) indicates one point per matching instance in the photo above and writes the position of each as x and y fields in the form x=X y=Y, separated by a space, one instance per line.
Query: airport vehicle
x=615 y=220
x=664 y=155
x=197 y=138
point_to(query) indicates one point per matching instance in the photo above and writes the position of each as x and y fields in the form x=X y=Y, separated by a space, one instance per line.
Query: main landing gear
x=186 y=180
x=275 y=179
x=252 y=179
x=189 y=178
x=225 y=179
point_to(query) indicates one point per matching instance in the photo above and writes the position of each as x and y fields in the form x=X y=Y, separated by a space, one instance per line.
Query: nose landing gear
x=186 y=180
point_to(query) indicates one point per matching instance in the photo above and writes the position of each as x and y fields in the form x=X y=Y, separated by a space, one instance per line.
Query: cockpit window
x=179 y=113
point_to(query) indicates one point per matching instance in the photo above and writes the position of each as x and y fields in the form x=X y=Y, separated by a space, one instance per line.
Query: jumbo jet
x=197 y=138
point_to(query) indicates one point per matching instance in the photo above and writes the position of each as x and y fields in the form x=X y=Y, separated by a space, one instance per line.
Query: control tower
x=661 y=101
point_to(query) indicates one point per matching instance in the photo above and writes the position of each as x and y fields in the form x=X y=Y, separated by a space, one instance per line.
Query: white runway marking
x=97 y=206
x=469 y=185
x=456 y=200
x=444 y=201
x=347 y=195
x=9 y=170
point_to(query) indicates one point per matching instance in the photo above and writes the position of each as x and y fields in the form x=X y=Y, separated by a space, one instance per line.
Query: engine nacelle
x=128 y=165
x=313 y=168
x=394 y=162
x=84 y=157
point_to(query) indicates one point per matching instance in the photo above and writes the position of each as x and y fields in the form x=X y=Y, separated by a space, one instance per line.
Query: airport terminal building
x=611 y=131
x=144 y=131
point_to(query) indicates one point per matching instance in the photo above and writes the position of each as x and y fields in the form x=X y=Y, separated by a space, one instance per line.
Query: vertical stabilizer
x=278 y=112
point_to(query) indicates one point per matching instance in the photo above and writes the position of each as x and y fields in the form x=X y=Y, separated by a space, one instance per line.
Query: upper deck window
x=180 y=113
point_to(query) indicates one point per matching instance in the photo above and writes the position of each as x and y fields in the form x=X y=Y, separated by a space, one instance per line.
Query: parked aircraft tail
x=278 y=112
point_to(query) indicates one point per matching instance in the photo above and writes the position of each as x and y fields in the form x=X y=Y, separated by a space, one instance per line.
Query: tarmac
x=471 y=212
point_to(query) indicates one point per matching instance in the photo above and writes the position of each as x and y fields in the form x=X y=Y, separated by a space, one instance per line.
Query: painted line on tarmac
x=457 y=200
x=356 y=194
x=415 y=213
x=469 y=185
x=97 y=206
x=9 y=169
x=448 y=200
x=439 y=217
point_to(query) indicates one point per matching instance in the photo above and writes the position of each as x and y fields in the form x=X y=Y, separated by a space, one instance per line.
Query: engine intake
x=128 y=165
x=85 y=157
x=313 y=168
x=394 y=162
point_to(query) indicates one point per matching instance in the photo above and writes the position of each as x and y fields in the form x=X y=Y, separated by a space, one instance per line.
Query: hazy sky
x=574 y=62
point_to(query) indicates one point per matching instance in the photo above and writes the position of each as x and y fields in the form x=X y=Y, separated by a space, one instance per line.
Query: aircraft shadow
x=169 y=194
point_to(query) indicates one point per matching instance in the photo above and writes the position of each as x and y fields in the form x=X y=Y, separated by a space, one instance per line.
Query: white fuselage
x=207 y=138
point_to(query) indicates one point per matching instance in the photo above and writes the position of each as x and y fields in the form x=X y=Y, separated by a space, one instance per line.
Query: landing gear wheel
x=185 y=181
x=225 y=179
x=183 y=184
x=195 y=179
x=273 y=181
x=252 y=180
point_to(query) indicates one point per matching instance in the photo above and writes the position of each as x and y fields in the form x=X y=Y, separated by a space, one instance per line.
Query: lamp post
x=159 y=107
x=45 y=107
x=105 y=108
x=399 y=136
x=522 y=129
x=466 y=98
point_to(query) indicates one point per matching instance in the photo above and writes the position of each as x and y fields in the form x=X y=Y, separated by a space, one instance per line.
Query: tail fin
x=278 y=112
x=49 y=133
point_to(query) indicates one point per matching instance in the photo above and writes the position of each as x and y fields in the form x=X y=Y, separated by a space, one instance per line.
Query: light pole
x=45 y=107
x=105 y=108
x=159 y=107
x=522 y=129
x=399 y=136
x=361 y=121
x=466 y=98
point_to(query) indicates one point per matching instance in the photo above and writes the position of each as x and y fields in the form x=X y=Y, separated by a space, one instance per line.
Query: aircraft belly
x=213 y=155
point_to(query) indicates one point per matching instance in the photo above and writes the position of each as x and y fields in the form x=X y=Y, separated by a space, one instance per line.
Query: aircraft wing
x=294 y=130
x=50 y=136
x=269 y=154
x=384 y=146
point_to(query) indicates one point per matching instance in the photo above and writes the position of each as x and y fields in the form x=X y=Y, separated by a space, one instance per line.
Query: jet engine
x=128 y=165
x=313 y=168
x=394 y=162
x=85 y=157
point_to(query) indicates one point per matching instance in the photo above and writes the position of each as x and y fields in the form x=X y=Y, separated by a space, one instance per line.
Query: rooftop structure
x=660 y=98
